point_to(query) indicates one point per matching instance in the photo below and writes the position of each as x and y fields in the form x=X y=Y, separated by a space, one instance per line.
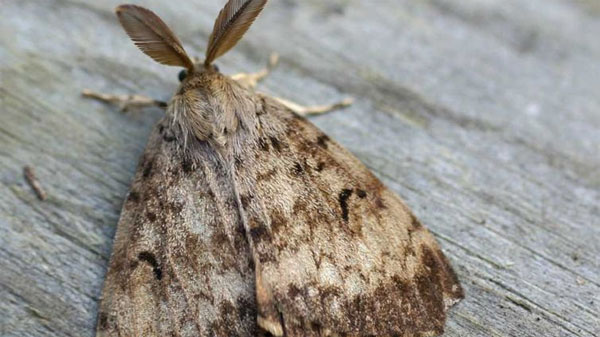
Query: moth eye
x=182 y=75
x=215 y=67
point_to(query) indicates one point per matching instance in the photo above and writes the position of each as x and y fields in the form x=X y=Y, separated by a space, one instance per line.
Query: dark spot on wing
x=264 y=145
x=174 y=207
x=301 y=144
x=151 y=259
x=300 y=205
x=278 y=221
x=102 y=321
x=238 y=160
x=166 y=133
x=246 y=309
x=320 y=166
x=151 y=216
x=187 y=165
x=219 y=238
x=168 y=138
x=297 y=169
x=330 y=291
x=246 y=198
x=293 y=291
x=276 y=144
x=258 y=233
x=148 y=164
x=322 y=140
x=361 y=194
x=343 y=199
x=133 y=196
x=250 y=264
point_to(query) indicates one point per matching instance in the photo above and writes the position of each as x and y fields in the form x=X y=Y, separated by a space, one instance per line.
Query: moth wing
x=335 y=250
x=181 y=264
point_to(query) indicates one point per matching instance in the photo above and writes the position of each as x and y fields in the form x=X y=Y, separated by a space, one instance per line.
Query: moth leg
x=250 y=80
x=304 y=110
x=125 y=102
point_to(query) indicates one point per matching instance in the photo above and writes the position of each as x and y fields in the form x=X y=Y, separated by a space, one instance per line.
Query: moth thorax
x=203 y=117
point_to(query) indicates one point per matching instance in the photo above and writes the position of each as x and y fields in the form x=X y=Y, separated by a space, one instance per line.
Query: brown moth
x=244 y=219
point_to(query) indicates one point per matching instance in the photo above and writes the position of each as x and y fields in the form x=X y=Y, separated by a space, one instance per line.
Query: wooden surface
x=484 y=115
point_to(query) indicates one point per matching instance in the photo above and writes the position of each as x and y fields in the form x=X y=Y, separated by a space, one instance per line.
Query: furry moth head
x=204 y=104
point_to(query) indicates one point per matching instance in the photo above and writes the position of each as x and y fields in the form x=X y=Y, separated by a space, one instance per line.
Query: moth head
x=153 y=37
x=199 y=69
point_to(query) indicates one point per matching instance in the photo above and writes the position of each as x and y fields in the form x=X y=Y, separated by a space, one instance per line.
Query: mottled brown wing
x=181 y=264
x=335 y=250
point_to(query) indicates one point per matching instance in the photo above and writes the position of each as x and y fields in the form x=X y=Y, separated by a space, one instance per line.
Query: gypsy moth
x=244 y=219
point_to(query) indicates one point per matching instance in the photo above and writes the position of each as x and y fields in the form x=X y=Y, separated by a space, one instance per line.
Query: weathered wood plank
x=483 y=115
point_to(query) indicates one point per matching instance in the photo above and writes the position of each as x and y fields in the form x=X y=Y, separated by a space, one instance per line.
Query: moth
x=244 y=219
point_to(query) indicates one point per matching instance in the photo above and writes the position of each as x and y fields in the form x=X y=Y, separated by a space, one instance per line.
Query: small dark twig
x=34 y=182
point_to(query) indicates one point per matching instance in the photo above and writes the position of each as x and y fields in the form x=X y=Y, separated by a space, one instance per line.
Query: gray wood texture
x=484 y=115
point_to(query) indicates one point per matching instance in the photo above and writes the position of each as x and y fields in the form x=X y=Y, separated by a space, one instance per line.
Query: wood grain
x=483 y=115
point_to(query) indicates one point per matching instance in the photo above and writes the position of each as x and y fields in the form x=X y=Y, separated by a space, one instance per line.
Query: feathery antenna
x=231 y=24
x=152 y=36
